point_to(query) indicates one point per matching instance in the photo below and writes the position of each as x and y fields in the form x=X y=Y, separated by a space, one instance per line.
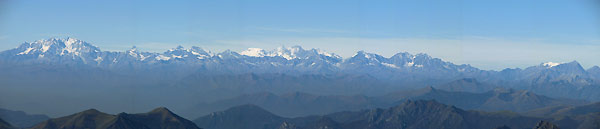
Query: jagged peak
x=133 y=49
x=63 y=41
x=363 y=54
x=56 y=45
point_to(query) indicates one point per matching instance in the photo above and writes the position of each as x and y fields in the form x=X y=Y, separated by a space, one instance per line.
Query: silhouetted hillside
x=21 y=119
x=160 y=118
x=408 y=115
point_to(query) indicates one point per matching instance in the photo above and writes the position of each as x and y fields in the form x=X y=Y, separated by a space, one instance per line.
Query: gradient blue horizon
x=485 y=34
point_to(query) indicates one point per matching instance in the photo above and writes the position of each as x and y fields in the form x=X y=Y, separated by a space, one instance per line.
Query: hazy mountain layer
x=21 y=119
x=303 y=104
x=408 y=115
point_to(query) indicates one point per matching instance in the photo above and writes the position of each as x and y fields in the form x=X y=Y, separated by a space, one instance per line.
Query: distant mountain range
x=160 y=118
x=80 y=71
x=405 y=69
x=302 y=104
x=408 y=115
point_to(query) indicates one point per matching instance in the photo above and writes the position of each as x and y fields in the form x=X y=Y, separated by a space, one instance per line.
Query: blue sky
x=491 y=34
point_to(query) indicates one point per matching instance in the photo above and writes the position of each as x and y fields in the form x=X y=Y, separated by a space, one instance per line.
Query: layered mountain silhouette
x=301 y=104
x=420 y=114
x=21 y=119
x=494 y=100
x=160 y=118
x=294 y=104
x=408 y=115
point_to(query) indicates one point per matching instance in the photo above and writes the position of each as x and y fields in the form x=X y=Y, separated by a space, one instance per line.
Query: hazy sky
x=489 y=34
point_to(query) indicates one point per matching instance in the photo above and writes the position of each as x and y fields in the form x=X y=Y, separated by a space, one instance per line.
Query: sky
x=491 y=34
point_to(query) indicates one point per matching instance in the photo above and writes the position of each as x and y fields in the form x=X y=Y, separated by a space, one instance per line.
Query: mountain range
x=405 y=68
x=302 y=104
x=32 y=73
x=159 y=118
x=419 y=114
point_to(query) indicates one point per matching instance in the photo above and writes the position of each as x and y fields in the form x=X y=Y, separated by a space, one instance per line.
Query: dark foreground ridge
x=160 y=118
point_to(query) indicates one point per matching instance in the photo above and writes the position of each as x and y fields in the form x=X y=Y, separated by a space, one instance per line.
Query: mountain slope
x=421 y=114
x=240 y=117
x=21 y=119
x=554 y=111
x=302 y=104
x=466 y=85
x=156 y=119
x=5 y=125
x=408 y=115
x=293 y=104
x=494 y=100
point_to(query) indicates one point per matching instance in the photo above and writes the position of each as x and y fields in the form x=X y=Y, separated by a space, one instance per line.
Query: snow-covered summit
x=289 y=53
x=550 y=64
x=68 y=46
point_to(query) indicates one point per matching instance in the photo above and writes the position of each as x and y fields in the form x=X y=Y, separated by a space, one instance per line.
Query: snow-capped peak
x=289 y=53
x=550 y=64
x=57 y=46
x=254 y=52
x=363 y=54
x=133 y=51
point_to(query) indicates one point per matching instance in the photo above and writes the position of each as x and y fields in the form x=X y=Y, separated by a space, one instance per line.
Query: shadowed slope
x=159 y=118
